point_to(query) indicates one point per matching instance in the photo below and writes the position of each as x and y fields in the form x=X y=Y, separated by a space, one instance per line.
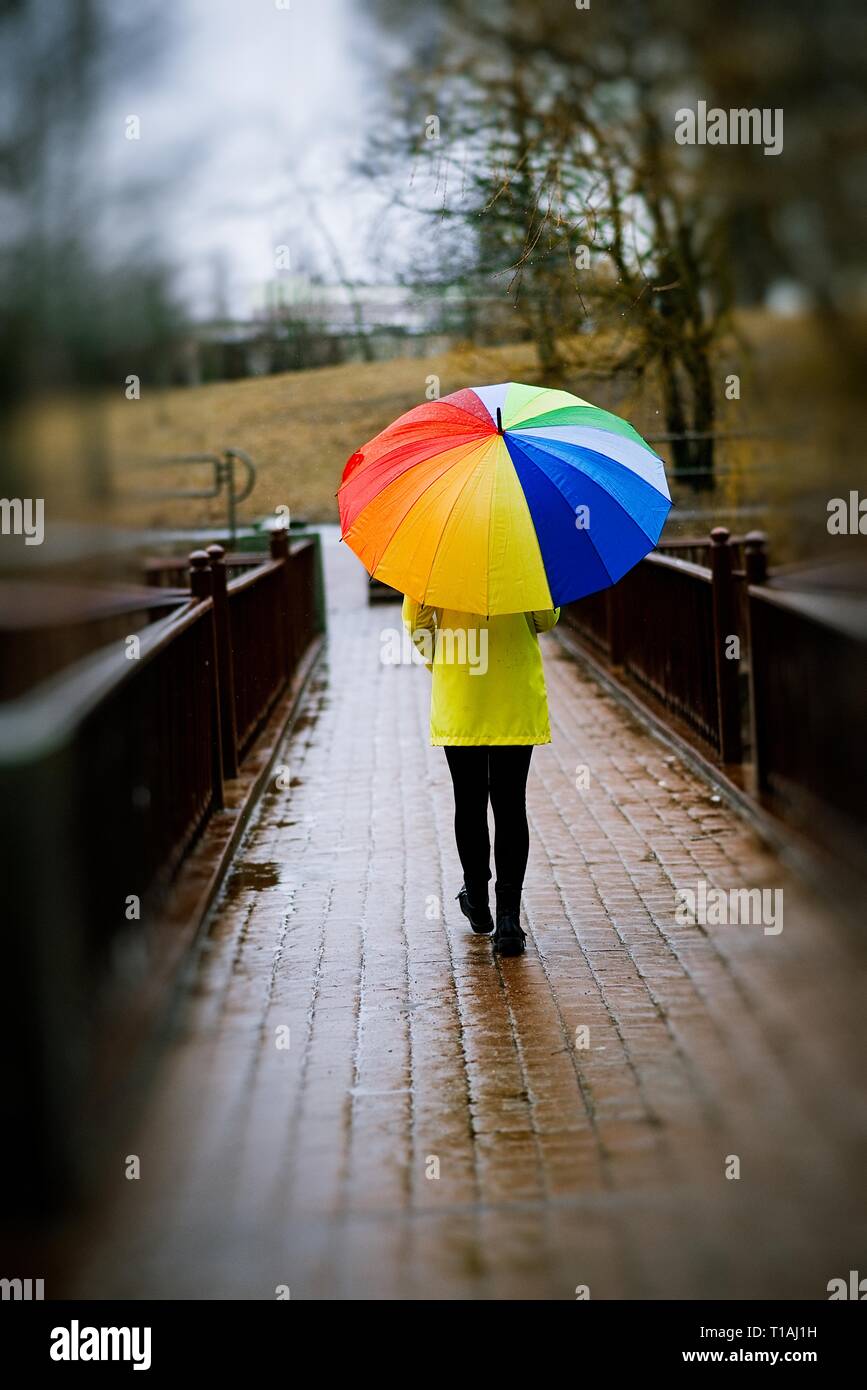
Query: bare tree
x=558 y=159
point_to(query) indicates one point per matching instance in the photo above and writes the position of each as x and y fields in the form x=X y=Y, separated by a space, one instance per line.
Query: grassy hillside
x=301 y=427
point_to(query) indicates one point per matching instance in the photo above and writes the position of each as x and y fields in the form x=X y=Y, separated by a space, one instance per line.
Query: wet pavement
x=358 y=1101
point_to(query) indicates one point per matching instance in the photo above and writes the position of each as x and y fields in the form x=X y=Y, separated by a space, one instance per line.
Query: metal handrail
x=223 y=466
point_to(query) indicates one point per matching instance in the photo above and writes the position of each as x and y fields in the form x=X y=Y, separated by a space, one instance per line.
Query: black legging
x=499 y=771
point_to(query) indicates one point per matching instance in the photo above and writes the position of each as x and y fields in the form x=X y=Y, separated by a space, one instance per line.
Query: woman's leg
x=468 y=765
x=509 y=765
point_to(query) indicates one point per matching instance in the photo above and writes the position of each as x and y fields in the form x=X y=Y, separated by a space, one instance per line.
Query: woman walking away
x=488 y=710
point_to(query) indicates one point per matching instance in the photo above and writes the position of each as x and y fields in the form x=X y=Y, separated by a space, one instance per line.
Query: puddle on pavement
x=253 y=877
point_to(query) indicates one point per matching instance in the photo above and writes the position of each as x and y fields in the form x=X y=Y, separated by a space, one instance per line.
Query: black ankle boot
x=476 y=908
x=509 y=937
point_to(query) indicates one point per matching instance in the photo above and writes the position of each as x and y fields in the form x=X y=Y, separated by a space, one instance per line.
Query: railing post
x=727 y=683
x=223 y=630
x=201 y=587
x=614 y=625
x=756 y=557
x=756 y=573
x=279 y=543
x=280 y=551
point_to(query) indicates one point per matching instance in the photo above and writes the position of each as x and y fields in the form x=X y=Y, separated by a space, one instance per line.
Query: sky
x=250 y=118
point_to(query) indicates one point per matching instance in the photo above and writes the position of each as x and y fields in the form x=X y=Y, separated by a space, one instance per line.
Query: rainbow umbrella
x=503 y=499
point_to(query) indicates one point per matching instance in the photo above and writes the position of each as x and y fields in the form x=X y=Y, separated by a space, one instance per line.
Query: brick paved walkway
x=412 y=1050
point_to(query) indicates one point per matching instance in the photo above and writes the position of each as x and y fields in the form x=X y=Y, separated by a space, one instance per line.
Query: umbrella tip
x=499 y=420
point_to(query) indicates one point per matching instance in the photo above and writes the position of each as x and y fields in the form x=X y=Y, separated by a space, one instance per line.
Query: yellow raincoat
x=488 y=681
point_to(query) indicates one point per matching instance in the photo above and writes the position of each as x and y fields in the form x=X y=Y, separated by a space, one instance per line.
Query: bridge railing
x=808 y=692
x=173 y=571
x=46 y=627
x=669 y=624
x=264 y=619
x=770 y=683
x=109 y=773
x=145 y=744
x=671 y=666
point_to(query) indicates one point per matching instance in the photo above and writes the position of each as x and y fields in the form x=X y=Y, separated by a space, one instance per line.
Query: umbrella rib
x=596 y=552
x=469 y=413
x=383 y=461
x=448 y=519
x=542 y=391
x=401 y=519
x=530 y=517
x=601 y=559
x=367 y=463
x=540 y=442
x=609 y=493
x=490 y=521
x=633 y=436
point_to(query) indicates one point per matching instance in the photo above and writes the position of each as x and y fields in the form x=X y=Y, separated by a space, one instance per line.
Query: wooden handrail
x=684 y=567
x=245 y=581
x=46 y=717
x=844 y=613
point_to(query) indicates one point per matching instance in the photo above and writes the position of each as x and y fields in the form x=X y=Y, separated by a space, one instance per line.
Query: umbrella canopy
x=503 y=499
